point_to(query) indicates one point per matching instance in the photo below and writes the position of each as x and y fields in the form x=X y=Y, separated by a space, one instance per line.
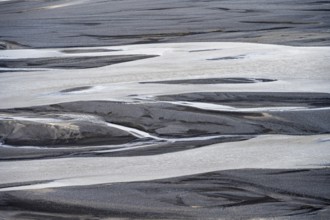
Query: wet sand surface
x=65 y=23
x=256 y=193
x=164 y=110
x=69 y=62
x=165 y=127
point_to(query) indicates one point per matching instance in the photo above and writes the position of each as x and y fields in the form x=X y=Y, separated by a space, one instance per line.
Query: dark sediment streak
x=211 y=81
x=77 y=51
x=6 y=185
x=13 y=70
x=235 y=194
x=254 y=99
x=227 y=58
x=70 y=62
x=76 y=89
x=202 y=50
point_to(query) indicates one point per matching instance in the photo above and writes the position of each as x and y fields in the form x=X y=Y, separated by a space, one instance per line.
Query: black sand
x=254 y=99
x=70 y=62
x=76 y=89
x=170 y=122
x=232 y=194
x=106 y=23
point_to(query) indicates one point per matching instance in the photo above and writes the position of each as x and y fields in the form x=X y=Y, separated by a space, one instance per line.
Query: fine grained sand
x=222 y=194
x=95 y=126
x=76 y=130
x=77 y=23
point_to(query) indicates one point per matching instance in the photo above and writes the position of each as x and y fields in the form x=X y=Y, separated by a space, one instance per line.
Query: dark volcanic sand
x=254 y=99
x=69 y=62
x=78 y=51
x=98 y=22
x=169 y=121
x=81 y=129
x=76 y=89
x=233 y=194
